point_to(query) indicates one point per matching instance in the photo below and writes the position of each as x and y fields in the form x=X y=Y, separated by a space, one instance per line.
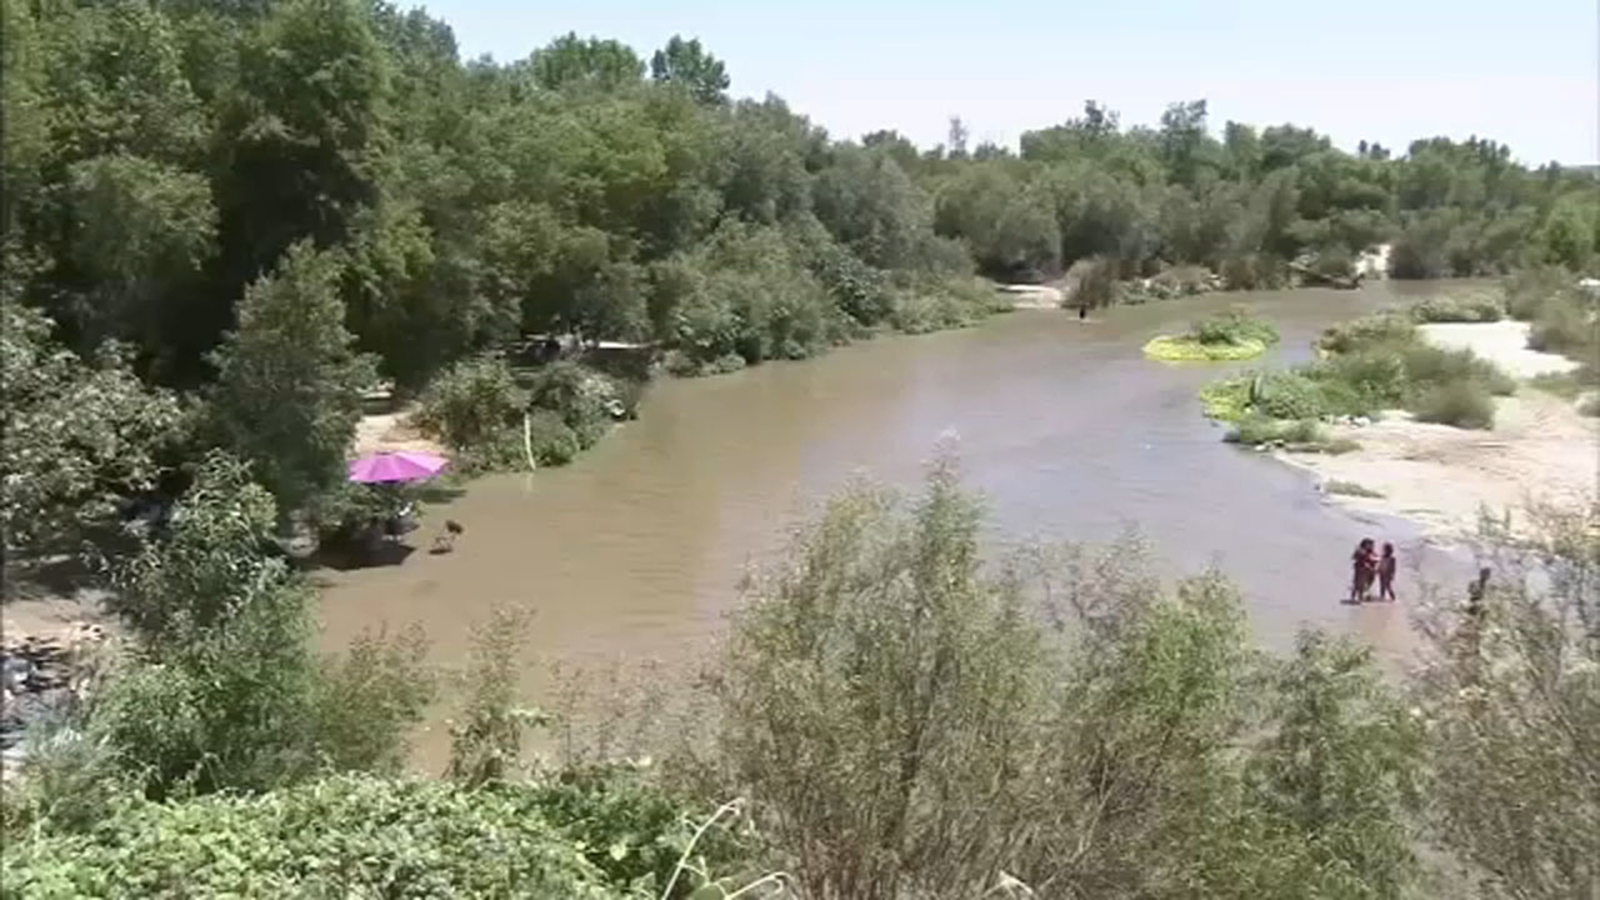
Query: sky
x=1523 y=73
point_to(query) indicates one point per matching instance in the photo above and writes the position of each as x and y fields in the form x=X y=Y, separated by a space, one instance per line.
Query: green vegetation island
x=244 y=243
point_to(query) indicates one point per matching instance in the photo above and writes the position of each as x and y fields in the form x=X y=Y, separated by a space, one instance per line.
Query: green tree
x=1570 y=235
x=569 y=60
x=1337 y=780
x=224 y=690
x=140 y=231
x=289 y=383
x=1511 y=699
x=82 y=436
x=869 y=204
x=688 y=64
x=874 y=694
x=1185 y=147
x=300 y=163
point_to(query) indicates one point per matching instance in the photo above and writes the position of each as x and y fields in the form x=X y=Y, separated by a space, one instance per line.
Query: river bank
x=1540 y=450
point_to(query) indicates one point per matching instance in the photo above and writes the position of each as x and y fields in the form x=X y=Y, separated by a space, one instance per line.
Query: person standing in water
x=1363 y=565
x=1386 y=568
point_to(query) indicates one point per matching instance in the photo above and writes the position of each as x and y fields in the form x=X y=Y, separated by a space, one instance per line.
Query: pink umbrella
x=401 y=466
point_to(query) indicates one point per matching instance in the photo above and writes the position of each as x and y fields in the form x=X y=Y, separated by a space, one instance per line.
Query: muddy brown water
x=634 y=551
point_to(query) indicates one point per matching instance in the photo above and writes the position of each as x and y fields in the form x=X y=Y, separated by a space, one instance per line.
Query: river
x=634 y=551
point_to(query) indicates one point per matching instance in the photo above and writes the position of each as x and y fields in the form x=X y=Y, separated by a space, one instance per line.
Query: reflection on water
x=635 y=550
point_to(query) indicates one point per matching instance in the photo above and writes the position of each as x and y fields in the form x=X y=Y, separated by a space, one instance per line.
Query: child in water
x=1386 y=567
x=1363 y=565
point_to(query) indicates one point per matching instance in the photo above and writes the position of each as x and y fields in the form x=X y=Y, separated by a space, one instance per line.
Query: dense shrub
x=883 y=667
x=1227 y=399
x=1565 y=325
x=585 y=400
x=470 y=405
x=1526 y=289
x=1369 y=365
x=552 y=441
x=1230 y=334
x=1471 y=308
x=933 y=304
x=1509 y=701
x=1093 y=282
x=224 y=690
x=347 y=836
x=1427 y=367
x=1289 y=395
x=1382 y=328
x=81 y=437
x=1253 y=271
x=1304 y=435
x=1464 y=404
x=1233 y=326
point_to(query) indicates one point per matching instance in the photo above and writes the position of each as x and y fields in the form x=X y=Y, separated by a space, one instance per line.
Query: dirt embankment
x=1540 y=450
x=392 y=432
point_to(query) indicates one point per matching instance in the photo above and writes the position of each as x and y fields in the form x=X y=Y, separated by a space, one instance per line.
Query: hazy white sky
x=1521 y=72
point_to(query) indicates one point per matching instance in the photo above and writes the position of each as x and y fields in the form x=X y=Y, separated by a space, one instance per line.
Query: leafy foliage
x=344 y=835
x=486 y=742
x=1509 y=697
x=1369 y=365
x=224 y=690
x=80 y=437
x=472 y=404
x=289 y=384
x=906 y=726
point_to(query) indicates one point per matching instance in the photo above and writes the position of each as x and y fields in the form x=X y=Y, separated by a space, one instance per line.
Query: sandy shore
x=392 y=432
x=1033 y=296
x=1540 y=451
x=1505 y=343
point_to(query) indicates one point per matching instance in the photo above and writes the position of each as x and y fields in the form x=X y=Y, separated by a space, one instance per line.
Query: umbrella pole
x=527 y=440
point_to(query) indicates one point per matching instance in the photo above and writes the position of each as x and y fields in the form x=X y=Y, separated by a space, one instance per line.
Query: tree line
x=222 y=222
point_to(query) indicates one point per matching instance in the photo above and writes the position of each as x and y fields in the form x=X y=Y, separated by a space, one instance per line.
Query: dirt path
x=392 y=432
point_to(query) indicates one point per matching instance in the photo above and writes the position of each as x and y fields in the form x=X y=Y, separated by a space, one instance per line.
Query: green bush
x=552 y=441
x=1378 y=329
x=1334 y=262
x=585 y=400
x=1233 y=326
x=470 y=405
x=882 y=666
x=1527 y=289
x=1564 y=325
x=1360 y=383
x=1464 y=404
x=1254 y=271
x=1226 y=399
x=344 y=836
x=1427 y=367
x=630 y=827
x=1471 y=308
x=225 y=690
x=1289 y=395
